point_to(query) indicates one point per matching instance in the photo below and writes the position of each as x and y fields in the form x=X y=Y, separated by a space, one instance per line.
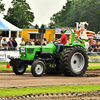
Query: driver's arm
x=58 y=39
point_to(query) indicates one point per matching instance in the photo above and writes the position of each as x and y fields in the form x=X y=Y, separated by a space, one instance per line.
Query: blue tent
x=6 y=26
x=3 y=26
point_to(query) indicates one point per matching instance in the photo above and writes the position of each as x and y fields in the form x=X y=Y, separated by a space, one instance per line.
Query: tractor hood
x=29 y=52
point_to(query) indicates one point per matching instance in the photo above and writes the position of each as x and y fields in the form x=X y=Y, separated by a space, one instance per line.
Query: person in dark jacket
x=28 y=43
x=14 y=43
x=10 y=45
x=92 y=47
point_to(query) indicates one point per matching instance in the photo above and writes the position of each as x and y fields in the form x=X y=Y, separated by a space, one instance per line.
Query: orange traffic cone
x=7 y=65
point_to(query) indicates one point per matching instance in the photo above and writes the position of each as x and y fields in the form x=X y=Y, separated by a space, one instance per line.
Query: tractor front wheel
x=38 y=68
x=18 y=70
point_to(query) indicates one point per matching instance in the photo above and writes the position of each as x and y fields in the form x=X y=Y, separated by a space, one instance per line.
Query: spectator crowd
x=33 y=42
x=12 y=43
x=8 y=45
x=94 y=47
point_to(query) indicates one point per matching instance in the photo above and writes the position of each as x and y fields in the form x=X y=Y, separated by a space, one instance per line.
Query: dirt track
x=12 y=80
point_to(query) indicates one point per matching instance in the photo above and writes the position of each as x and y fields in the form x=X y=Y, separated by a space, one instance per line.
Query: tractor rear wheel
x=74 y=61
x=38 y=68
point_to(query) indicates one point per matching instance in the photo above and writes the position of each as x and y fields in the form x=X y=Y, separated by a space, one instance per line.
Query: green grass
x=3 y=67
x=2 y=63
x=93 y=67
x=43 y=90
x=10 y=69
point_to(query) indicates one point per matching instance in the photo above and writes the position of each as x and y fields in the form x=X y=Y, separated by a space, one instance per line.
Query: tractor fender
x=74 y=44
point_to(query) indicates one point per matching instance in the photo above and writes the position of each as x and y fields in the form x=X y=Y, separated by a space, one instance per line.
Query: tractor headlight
x=22 y=50
x=24 y=55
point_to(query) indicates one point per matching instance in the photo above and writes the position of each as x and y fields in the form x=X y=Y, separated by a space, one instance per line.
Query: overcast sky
x=42 y=9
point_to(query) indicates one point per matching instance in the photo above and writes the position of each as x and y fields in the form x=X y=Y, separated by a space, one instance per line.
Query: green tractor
x=72 y=59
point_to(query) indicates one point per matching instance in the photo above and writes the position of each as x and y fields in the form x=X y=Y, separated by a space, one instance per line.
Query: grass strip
x=43 y=90
x=10 y=69
x=93 y=67
x=3 y=63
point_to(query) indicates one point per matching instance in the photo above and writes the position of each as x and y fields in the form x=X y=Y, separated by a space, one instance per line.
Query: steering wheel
x=55 y=42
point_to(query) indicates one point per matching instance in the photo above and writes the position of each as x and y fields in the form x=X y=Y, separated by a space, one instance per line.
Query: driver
x=63 y=40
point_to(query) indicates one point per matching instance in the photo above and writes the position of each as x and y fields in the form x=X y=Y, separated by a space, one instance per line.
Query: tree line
x=78 y=11
x=19 y=14
x=73 y=11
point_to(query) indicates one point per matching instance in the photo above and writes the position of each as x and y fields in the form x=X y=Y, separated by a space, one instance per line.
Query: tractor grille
x=30 y=50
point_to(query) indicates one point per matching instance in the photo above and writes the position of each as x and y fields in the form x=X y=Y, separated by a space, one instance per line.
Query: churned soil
x=95 y=95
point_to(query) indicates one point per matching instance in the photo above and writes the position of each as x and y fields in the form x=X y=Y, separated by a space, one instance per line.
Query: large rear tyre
x=18 y=70
x=74 y=61
x=37 y=68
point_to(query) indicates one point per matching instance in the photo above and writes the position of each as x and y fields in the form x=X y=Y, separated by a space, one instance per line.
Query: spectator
x=10 y=44
x=39 y=41
x=22 y=42
x=81 y=42
x=0 y=42
x=45 y=40
x=27 y=43
x=77 y=41
x=92 y=47
x=36 y=43
x=14 y=43
x=87 y=44
x=4 y=44
x=53 y=40
x=56 y=39
x=98 y=46
x=32 y=41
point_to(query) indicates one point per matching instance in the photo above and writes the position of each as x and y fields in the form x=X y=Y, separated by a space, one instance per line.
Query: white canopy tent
x=10 y=30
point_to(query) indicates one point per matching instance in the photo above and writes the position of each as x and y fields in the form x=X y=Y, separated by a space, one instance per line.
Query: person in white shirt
x=32 y=41
x=4 y=44
x=22 y=42
x=87 y=44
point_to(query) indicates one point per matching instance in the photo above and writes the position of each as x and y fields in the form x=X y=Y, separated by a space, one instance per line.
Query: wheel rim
x=39 y=69
x=77 y=62
x=20 y=69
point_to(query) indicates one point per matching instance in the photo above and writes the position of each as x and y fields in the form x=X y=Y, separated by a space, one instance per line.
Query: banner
x=4 y=55
x=94 y=56
x=58 y=29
